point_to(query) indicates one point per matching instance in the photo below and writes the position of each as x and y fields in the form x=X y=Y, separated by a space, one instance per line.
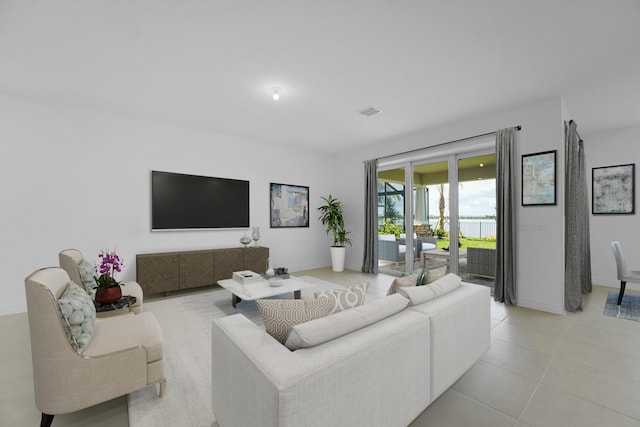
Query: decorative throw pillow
x=87 y=271
x=78 y=316
x=280 y=316
x=342 y=299
x=419 y=272
x=400 y=282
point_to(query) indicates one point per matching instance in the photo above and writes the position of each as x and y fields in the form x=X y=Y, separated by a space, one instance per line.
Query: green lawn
x=474 y=243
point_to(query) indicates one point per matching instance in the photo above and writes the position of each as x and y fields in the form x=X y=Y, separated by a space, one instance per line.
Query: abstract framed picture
x=289 y=205
x=539 y=178
x=613 y=190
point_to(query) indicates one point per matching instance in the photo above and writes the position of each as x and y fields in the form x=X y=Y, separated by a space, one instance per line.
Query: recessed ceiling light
x=276 y=93
x=481 y=165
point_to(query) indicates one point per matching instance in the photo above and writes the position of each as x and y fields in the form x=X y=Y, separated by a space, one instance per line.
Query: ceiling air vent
x=370 y=111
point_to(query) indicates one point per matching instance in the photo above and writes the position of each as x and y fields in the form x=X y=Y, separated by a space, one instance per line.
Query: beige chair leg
x=163 y=388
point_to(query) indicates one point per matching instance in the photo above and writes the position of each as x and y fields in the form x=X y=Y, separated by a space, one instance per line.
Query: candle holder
x=255 y=235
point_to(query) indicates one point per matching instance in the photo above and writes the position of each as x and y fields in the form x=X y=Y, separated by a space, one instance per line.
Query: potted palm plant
x=332 y=217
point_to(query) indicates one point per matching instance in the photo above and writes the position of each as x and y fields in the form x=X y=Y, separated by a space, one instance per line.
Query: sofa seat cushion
x=421 y=294
x=342 y=299
x=280 y=316
x=327 y=328
x=400 y=282
x=78 y=314
x=142 y=330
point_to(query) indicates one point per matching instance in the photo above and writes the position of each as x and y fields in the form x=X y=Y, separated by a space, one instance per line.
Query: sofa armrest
x=460 y=333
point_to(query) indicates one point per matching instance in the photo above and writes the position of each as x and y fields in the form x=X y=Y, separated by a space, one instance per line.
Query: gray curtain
x=370 y=260
x=505 y=290
x=577 y=263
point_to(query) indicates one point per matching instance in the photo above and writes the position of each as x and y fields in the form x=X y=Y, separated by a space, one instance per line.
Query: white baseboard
x=12 y=309
x=613 y=283
x=541 y=306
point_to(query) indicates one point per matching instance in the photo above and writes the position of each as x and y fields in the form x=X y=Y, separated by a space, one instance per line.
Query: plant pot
x=337 y=257
x=108 y=295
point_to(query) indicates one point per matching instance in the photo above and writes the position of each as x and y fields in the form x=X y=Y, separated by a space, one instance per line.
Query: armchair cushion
x=87 y=271
x=342 y=299
x=141 y=330
x=78 y=316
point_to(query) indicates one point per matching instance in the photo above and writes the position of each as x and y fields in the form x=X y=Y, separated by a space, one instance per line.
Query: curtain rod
x=448 y=142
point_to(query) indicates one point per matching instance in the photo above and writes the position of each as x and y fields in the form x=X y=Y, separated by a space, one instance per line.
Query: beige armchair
x=122 y=354
x=70 y=260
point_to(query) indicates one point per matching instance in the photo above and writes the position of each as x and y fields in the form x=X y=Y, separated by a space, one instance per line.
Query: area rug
x=186 y=326
x=629 y=309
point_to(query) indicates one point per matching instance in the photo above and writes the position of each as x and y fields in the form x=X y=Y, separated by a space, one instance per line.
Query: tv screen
x=180 y=201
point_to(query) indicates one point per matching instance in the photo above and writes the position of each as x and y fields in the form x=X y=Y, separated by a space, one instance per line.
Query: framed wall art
x=613 y=190
x=289 y=205
x=539 y=178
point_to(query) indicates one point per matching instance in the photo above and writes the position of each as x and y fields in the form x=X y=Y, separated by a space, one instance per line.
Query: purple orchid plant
x=110 y=263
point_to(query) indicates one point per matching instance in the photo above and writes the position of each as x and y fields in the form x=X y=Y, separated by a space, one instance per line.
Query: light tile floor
x=582 y=369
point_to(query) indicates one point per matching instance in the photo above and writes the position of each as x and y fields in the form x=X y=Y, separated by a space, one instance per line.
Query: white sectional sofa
x=383 y=374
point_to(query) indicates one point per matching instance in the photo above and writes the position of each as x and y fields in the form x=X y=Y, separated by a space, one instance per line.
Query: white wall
x=540 y=262
x=74 y=178
x=617 y=147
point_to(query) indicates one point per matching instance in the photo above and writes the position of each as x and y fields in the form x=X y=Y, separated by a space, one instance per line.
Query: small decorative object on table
x=108 y=288
x=256 y=235
x=282 y=272
x=245 y=240
x=276 y=281
x=270 y=272
x=246 y=277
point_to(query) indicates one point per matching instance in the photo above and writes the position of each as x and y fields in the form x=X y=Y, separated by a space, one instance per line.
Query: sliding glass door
x=431 y=223
x=392 y=206
x=477 y=217
x=450 y=208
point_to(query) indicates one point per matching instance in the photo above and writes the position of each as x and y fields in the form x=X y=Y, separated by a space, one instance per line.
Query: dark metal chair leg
x=621 y=293
x=46 y=420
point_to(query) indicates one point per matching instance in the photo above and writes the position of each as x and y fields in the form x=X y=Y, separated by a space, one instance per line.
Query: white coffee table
x=262 y=289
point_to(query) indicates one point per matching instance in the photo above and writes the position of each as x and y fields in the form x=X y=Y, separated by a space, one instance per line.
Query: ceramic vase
x=108 y=295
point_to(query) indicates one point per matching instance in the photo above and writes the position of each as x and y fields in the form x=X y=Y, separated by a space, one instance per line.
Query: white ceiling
x=210 y=64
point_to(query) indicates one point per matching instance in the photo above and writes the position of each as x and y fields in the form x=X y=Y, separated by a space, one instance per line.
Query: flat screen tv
x=180 y=201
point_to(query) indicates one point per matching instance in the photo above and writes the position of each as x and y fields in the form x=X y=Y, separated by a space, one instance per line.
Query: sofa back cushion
x=326 y=328
x=420 y=294
x=342 y=299
x=280 y=316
